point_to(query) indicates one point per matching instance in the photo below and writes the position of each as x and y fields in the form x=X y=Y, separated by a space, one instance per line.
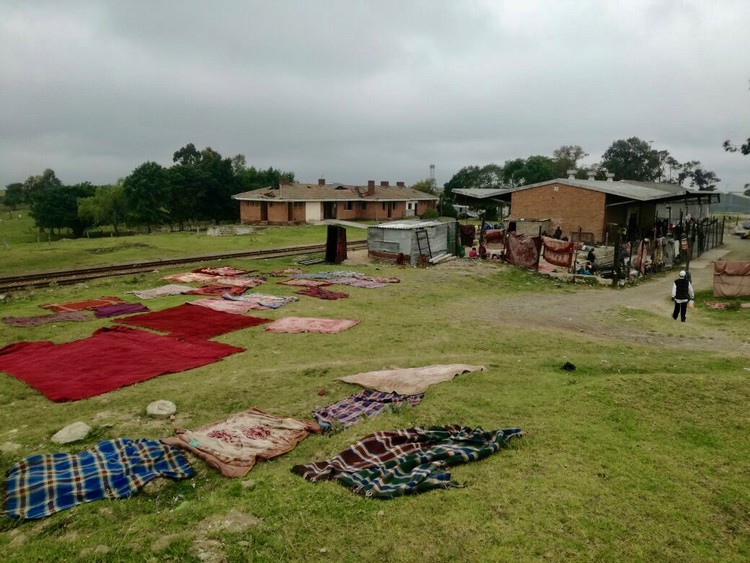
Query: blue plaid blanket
x=41 y=485
x=412 y=460
x=367 y=402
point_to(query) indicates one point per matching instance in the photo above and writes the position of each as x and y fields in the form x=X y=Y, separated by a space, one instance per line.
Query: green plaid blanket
x=401 y=462
x=41 y=485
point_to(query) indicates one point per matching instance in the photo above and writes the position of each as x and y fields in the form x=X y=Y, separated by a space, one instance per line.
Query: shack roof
x=629 y=189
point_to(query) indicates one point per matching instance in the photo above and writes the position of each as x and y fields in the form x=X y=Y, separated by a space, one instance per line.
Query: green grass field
x=641 y=454
x=23 y=250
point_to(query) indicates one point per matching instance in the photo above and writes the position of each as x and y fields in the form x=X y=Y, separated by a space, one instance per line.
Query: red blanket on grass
x=109 y=359
x=193 y=322
x=82 y=305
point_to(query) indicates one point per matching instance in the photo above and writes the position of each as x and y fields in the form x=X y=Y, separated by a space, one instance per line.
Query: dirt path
x=603 y=313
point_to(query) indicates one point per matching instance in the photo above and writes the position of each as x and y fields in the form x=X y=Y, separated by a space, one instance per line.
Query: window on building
x=349 y=206
x=362 y=206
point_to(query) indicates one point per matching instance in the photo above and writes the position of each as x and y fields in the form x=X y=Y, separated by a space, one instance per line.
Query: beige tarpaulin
x=731 y=279
x=408 y=381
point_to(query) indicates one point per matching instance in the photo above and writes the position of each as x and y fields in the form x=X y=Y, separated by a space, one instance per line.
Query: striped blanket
x=413 y=460
x=350 y=410
x=41 y=485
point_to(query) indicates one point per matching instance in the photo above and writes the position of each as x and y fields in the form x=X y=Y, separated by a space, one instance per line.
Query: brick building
x=301 y=203
x=586 y=207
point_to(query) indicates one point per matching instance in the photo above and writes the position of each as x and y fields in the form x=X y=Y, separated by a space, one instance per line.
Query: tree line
x=197 y=188
x=626 y=159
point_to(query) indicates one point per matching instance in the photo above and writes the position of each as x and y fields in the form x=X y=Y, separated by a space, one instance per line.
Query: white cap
x=683 y=273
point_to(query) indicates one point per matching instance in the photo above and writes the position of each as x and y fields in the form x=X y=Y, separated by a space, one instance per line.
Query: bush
x=429 y=214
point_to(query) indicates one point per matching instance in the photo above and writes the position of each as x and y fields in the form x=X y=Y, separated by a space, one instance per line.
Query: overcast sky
x=357 y=90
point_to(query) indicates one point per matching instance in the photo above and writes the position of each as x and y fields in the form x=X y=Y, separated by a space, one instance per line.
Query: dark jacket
x=683 y=288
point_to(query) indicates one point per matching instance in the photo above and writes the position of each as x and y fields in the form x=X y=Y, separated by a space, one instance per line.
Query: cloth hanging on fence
x=731 y=279
x=523 y=250
x=38 y=320
x=41 y=485
x=235 y=444
x=559 y=252
x=412 y=460
x=467 y=233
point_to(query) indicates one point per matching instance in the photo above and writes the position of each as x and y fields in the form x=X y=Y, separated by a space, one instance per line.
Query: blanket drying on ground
x=170 y=289
x=106 y=311
x=234 y=307
x=234 y=445
x=217 y=290
x=322 y=293
x=408 y=381
x=350 y=410
x=262 y=301
x=82 y=305
x=37 y=320
x=193 y=322
x=310 y=324
x=358 y=282
x=109 y=359
x=222 y=271
x=401 y=462
x=304 y=282
x=41 y=485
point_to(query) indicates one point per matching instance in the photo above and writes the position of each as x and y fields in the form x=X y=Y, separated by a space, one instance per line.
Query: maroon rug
x=109 y=359
x=193 y=322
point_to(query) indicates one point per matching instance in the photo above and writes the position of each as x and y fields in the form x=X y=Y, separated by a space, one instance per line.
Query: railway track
x=66 y=277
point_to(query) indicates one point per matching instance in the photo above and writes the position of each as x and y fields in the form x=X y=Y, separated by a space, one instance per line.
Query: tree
x=566 y=158
x=632 y=159
x=489 y=176
x=37 y=184
x=14 y=195
x=108 y=206
x=57 y=208
x=146 y=192
x=519 y=172
x=427 y=186
x=705 y=180
x=744 y=148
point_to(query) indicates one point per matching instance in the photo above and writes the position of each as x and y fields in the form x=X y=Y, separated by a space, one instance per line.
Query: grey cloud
x=363 y=90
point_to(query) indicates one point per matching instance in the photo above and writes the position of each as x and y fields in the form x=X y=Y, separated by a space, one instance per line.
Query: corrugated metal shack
x=412 y=239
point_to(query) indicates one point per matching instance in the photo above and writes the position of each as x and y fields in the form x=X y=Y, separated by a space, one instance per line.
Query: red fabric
x=322 y=293
x=83 y=305
x=558 y=252
x=217 y=290
x=193 y=322
x=523 y=250
x=109 y=359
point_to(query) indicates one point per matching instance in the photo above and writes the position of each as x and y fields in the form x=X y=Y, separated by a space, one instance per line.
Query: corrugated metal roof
x=479 y=193
x=316 y=192
x=406 y=225
x=640 y=191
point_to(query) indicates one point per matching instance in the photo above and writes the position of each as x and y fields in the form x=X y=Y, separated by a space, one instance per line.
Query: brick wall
x=572 y=207
x=249 y=212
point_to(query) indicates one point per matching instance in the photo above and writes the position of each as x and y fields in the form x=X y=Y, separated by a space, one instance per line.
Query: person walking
x=682 y=292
